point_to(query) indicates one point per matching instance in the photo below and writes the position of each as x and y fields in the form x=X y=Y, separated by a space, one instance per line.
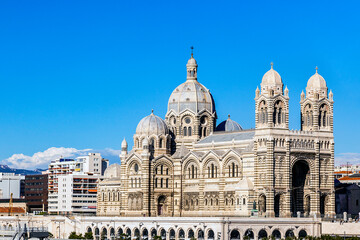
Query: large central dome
x=191 y=94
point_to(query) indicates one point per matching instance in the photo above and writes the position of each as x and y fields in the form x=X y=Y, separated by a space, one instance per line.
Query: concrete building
x=76 y=194
x=352 y=168
x=347 y=199
x=11 y=183
x=36 y=192
x=64 y=175
x=187 y=166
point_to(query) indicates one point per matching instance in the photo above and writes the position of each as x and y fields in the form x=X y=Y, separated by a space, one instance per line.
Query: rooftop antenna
x=192 y=50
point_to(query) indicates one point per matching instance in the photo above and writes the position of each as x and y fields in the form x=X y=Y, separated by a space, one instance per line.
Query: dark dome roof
x=229 y=126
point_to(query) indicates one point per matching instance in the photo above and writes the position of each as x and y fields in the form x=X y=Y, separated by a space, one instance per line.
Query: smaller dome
x=152 y=124
x=113 y=171
x=316 y=81
x=191 y=61
x=271 y=77
x=124 y=144
x=316 y=85
x=229 y=126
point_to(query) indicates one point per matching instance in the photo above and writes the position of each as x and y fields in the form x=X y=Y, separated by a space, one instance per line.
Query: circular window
x=187 y=120
x=136 y=167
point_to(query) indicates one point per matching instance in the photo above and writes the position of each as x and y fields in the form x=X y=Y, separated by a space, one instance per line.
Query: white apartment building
x=63 y=169
x=10 y=183
x=351 y=168
x=77 y=193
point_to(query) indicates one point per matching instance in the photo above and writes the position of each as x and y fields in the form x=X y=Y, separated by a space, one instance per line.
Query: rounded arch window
x=173 y=120
x=136 y=167
x=203 y=120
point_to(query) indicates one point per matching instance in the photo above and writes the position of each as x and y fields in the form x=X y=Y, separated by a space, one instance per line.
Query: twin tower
x=272 y=104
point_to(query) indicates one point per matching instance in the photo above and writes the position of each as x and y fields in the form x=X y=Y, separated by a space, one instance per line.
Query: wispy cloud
x=351 y=158
x=42 y=159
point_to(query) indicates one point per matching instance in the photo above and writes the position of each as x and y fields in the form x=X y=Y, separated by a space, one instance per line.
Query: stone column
x=201 y=195
x=145 y=185
x=315 y=172
x=270 y=178
x=332 y=188
x=287 y=180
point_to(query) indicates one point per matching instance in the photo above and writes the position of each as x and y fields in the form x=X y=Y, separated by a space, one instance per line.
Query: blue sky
x=82 y=74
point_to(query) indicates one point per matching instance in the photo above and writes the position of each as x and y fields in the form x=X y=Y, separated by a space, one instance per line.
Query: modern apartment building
x=36 y=192
x=62 y=181
x=77 y=193
x=11 y=183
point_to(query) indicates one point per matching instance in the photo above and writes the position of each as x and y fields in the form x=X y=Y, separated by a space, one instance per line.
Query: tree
x=73 y=235
x=89 y=235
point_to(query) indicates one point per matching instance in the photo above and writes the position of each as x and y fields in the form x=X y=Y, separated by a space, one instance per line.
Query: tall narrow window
x=167 y=183
x=233 y=169
x=212 y=171
x=189 y=131
x=185 y=131
x=192 y=171
x=161 y=183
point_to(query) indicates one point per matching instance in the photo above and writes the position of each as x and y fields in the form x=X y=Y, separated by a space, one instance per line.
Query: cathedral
x=186 y=165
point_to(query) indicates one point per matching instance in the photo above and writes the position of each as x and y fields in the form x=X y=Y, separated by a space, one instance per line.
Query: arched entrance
x=263 y=234
x=323 y=200
x=128 y=233
x=190 y=234
x=300 y=180
x=104 y=234
x=289 y=233
x=200 y=235
x=137 y=233
x=97 y=233
x=112 y=233
x=234 y=235
x=172 y=234
x=181 y=234
x=211 y=235
x=163 y=234
x=249 y=235
x=145 y=234
x=153 y=233
x=161 y=205
x=276 y=234
x=302 y=234
x=119 y=233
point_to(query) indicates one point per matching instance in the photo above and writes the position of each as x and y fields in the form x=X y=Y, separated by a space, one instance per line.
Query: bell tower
x=272 y=103
x=317 y=105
